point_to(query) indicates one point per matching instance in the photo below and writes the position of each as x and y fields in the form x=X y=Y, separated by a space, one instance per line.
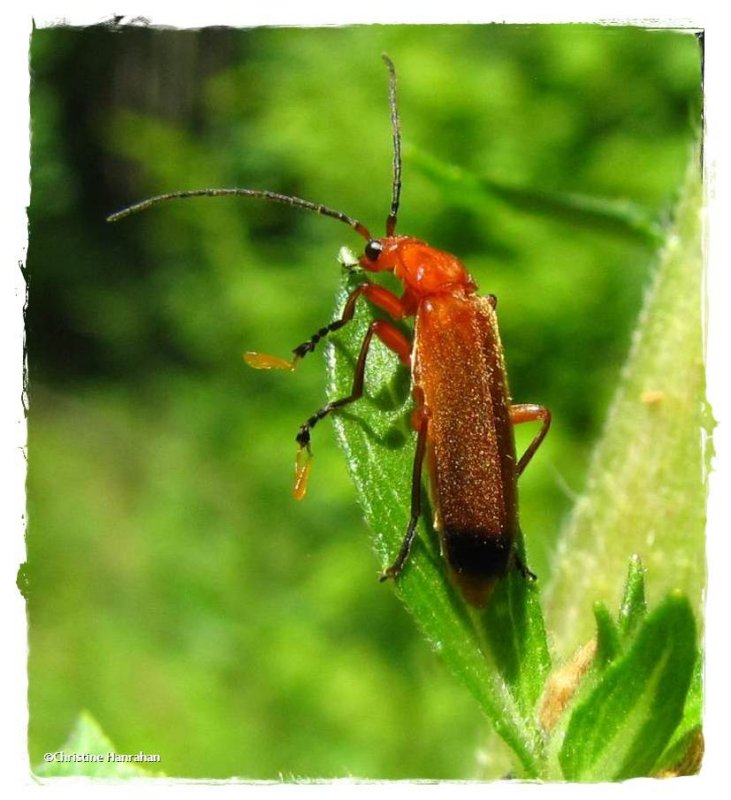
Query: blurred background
x=175 y=590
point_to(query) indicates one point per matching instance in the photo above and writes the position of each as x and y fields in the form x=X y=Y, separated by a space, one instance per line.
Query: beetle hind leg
x=530 y=412
x=523 y=569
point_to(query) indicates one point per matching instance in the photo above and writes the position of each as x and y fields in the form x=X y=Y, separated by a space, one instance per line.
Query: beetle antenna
x=264 y=194
x=396 y=129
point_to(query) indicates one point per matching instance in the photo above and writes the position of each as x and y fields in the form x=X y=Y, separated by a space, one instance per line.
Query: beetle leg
x=523 y=570
x=529 y=412
x=394 y=340
x=395 y=568
x=264 y=361
x=377 y=295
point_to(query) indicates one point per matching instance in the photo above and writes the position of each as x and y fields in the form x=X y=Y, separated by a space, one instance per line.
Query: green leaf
x=634 y=606
x=613 y=637
x=646 y=486
x=513 y=626
x=617 y=217
x=500 y=654
x=90 y=753
x=608 y=641
x=683 y=754
x=622 y=727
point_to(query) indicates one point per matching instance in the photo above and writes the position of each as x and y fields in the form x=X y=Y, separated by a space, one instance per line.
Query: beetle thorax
x=423 y=270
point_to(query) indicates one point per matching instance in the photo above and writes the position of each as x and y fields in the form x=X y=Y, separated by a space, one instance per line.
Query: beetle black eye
x=373 y=249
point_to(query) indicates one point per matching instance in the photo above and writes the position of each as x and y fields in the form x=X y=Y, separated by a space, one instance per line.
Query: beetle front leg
x=380 y=297
x=264 y=361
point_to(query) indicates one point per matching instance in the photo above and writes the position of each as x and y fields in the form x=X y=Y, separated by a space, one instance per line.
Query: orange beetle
x=464 y=417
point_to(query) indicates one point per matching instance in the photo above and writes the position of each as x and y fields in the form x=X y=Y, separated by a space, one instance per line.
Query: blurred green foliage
x=175 y=591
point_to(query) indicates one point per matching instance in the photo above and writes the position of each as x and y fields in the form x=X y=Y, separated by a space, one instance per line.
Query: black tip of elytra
x=476 y=553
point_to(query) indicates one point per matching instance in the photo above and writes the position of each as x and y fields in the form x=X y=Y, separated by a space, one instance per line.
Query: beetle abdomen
x=477 y=553
x=477 y=559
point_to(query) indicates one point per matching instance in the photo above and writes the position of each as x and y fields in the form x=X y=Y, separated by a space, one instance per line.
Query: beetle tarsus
x=395 y=569
x=524 y=571
x=303 y=436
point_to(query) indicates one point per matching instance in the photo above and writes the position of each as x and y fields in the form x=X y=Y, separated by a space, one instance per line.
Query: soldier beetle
x=463 y=413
